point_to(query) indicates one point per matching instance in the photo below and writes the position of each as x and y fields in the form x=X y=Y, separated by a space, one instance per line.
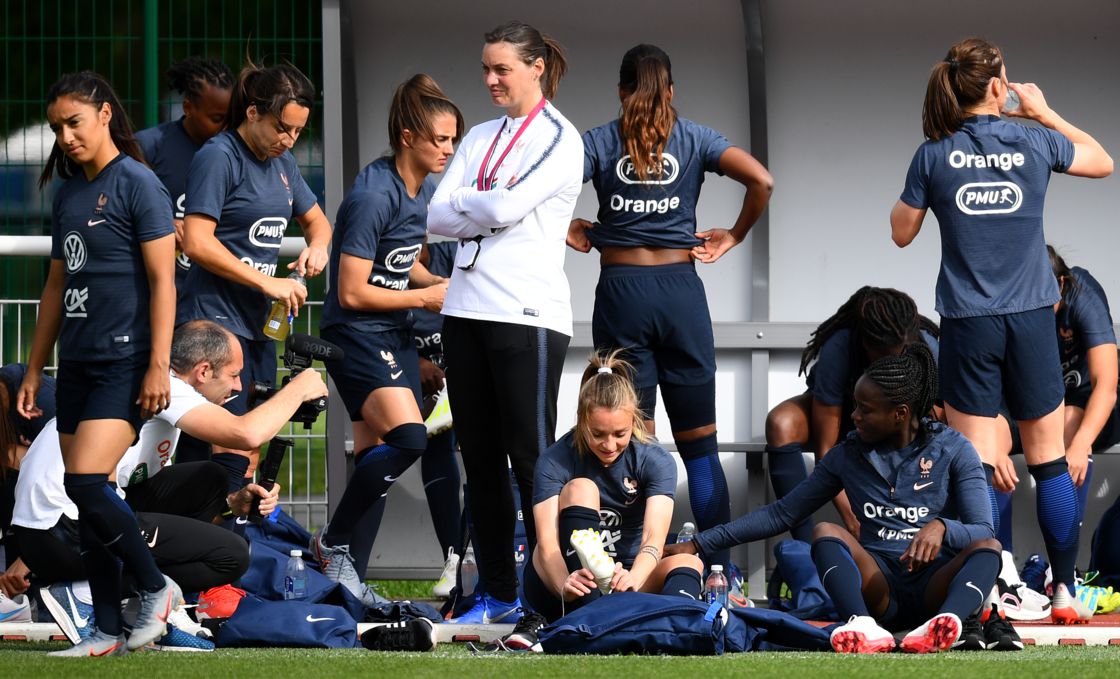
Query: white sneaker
x=183 y=622
x=96 y=644
x=1067 y=609
x=589 y=548
x=446 y=581
x=939 y=633
x=439 y=420
x=861 y=634
x=16 y=609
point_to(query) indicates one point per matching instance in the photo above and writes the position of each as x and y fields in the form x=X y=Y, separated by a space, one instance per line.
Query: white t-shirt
x=518 y=276
x=40 y=496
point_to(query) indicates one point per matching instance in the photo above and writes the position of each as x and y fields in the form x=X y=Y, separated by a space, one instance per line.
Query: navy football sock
x=1083 y=492
x=103 y=571
x=374 y=473
x=972 y=583
x=707 y=490
x=114 y=524
x=684 y=582
x=787 y=469
x=235 y=465
x=571 y=519
x=840 y=576
x=989 y=472
x=1056 y=499
x=440 y=470
x=1005 y=521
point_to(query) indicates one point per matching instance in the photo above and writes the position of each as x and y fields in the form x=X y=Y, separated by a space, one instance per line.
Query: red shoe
x=218 y=602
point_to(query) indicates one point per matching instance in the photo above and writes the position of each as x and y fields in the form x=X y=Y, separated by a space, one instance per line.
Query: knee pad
x=410 y=437
x=690 y=406
x=701 y=447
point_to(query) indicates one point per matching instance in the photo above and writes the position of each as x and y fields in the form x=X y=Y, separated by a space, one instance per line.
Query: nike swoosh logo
x=95 y=222
x=570 y=552
x=982 y=595
x=396 y=374
x=687 y=594
x=241 y=520
x=11 y=614
x=919 y=486
x=152 y=542
x=106 y=651
x=390 y=479
x=310 y=619
x=79 y=619
x=826 y=573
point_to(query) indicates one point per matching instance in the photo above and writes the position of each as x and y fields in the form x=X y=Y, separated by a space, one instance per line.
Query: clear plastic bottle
x=279 y=322
x=716 y=586
x=295 y=576
x=1012 y=103
x=687 y=532
x=468 y=572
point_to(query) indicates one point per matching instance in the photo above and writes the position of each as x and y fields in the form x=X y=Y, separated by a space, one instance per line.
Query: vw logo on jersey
x=989 y=198
x=267 y=232
x=401 y=259
x=74 y=250
x=670 y=168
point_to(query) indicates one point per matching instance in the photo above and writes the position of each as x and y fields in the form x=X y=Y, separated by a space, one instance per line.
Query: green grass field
x=452 y=661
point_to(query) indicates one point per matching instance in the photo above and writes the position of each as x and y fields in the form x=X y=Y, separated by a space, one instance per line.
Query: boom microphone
x=314 y=347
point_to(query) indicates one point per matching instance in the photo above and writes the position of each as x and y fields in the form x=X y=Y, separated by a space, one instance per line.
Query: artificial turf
x=454 y=661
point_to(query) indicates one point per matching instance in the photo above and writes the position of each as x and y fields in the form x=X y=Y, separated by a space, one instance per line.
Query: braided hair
x=878 y=318
x=909 y=378
x=190 y=76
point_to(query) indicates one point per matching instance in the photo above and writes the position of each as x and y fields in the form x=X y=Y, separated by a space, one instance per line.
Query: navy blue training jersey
x=253 y=201
x=378 y=221
x=97 y=230
x=169 y=151
x=427 y=326
x=12 y=376
x=832 y=377
x=893 y=494
x=642 y=471
x=986 y=184
x=659 y=211
x=1084 y=321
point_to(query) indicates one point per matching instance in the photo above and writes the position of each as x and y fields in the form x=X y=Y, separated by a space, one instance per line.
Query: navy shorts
x=985 y=359
x=907 y=608
x=1110 y=432
x=99 y=390
x=373 y=359
x=260 y=366
x=659 y=315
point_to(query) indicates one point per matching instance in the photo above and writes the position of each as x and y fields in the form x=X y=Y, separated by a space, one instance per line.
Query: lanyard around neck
x=485 y=182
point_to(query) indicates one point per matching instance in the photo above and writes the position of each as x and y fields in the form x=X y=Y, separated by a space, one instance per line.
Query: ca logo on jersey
x=989 y=198
x=626 y=173
x=267 y=232
x=74 y=250
x=75 y=301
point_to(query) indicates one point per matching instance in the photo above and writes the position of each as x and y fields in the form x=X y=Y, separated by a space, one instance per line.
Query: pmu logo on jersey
x=75 y=301
x=268 y=232
x=102 y=199
x=74 y=251
x=401 y=259
x=669 y=170
x=989 y=198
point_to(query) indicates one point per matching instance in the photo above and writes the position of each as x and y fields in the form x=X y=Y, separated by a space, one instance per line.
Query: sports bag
x=257 y=622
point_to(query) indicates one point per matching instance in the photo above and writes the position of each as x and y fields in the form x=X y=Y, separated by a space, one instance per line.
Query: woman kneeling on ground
x=926 y=546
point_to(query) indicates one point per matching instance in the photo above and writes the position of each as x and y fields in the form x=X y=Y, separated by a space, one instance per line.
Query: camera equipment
x=299 y=351
x=269 y=470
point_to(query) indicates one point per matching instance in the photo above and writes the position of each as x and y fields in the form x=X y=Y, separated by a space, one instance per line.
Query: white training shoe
x=1067 y=609
x=861 y=634
x=939 y=633
x=15 y=609
x=446 y=582
x=589 y=548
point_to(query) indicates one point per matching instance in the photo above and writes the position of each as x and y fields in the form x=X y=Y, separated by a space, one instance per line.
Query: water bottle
x=295 y=576
x=468 y=572
x=687 y=532
x=1012 y=103
x=279 y=322
x=716 y=586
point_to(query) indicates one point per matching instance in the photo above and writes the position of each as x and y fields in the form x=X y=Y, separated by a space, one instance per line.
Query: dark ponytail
x=415 y=103
x=531 y=45
x=909 y=378
x=1058 y=265
x=957 y=83
x=91 y=88
x=270 y=89
x=646 y=75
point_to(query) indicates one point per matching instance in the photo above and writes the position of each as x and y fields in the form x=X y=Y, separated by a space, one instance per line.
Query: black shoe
x=524 y=633
x=972 y=635
x=999 y=635
x=411 y=635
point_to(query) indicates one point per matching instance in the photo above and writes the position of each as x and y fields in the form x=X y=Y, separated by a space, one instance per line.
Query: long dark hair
x=191 y=75
x=531 y=45
x=9 y=436
x=415 y=103
x=270 y=89
x=958 y=82
x=1058 y=265
x=647 y=111
x=878 y=318
x=909 y=378
x=90 y=88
